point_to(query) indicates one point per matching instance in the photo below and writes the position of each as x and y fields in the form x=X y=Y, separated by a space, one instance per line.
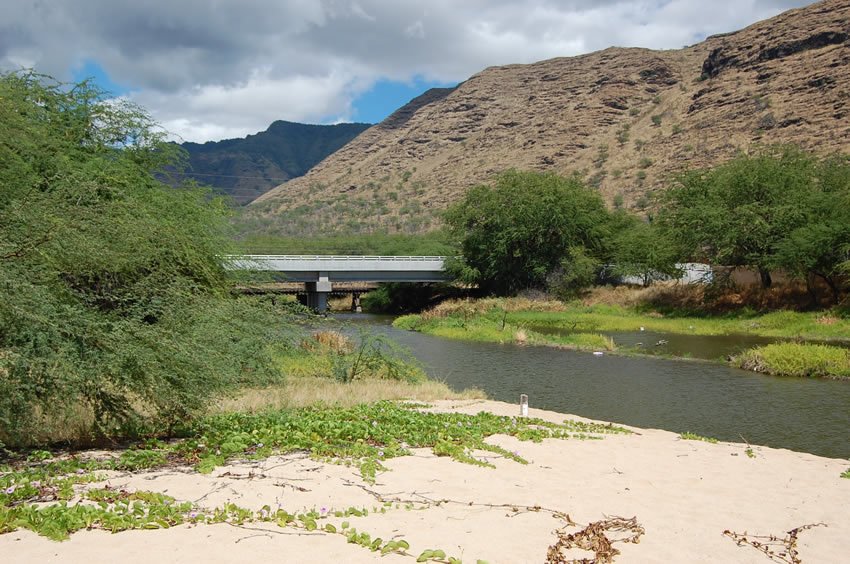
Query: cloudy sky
x=212 y=69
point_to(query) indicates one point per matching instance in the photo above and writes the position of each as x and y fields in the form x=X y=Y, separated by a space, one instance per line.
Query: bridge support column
x=355 y=302
x=318 y=292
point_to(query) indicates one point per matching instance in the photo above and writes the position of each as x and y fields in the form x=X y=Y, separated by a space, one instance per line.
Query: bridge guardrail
x=338 y=257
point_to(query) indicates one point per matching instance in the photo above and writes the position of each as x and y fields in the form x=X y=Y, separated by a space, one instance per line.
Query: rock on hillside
x=625 y=118
x=247 y=168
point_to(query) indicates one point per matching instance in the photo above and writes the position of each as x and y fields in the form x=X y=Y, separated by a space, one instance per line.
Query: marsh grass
x=332 y=340
x=494 y=326
x=628 y=309
x=797 y=359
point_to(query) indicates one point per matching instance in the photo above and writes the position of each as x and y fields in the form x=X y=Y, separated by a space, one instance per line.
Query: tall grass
x=797 y=359
x=600 y=317
x=312 y=390
x=451 y=322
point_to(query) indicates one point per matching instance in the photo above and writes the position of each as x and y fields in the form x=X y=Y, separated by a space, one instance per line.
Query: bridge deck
x=342 y=268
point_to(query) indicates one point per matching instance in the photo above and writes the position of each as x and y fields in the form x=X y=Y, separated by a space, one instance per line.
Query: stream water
x=706 y=398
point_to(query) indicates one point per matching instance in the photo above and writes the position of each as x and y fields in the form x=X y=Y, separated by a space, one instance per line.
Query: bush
x=115 y=301
x=578 y=271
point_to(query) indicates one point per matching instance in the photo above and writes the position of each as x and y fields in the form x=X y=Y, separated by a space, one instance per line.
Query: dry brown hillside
x=625 y=118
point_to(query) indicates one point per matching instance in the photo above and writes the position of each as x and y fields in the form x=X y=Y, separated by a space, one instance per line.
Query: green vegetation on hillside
x=778 y=208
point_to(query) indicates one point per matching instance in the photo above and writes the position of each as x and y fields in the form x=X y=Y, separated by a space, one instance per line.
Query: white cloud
x=211 y=70
x=215 y=111
x=415 y=30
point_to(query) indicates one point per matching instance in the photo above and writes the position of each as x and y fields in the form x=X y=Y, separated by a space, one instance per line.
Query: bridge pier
x=318 y=292
x=355 y=302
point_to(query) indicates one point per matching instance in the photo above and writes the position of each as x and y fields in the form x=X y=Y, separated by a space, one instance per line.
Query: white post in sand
x=523 y=405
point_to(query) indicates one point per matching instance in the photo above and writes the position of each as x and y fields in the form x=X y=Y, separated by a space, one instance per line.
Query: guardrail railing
x=337 y=257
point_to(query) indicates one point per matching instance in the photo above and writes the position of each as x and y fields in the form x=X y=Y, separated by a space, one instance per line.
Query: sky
x=214 y=69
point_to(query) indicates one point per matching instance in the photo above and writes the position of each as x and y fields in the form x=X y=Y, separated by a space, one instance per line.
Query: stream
x=709 y=399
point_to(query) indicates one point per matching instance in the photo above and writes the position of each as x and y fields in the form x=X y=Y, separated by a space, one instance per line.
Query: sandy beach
x=682 y=494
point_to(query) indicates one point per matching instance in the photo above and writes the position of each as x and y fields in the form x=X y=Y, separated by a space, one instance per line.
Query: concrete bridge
x=319 y=272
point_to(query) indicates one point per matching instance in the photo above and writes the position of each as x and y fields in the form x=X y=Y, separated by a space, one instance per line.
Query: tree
x=513 y=234
x=643 y=249
x=114 y=297
x=736 y=214
x=819 y=246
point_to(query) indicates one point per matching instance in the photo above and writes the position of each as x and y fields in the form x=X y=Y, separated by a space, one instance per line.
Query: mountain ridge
x=626 y=118
x=245 y=168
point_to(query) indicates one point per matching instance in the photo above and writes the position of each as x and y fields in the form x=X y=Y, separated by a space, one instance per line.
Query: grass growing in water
x=605 y=317
x=495 y=326
x=797 y=359
x=602 y=317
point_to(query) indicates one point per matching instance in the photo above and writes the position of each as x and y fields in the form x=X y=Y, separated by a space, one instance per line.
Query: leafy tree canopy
x=743 y=213
x=514 y=233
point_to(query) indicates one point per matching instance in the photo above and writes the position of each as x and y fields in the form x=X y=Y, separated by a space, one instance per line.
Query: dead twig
x=776 y=549
x=595 y=538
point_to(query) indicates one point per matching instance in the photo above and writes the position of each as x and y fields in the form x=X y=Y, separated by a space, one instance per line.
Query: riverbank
x=600 y=317
x=575 y=326
x=677 y=497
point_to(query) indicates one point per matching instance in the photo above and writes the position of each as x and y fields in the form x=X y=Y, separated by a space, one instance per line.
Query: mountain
x=247 y=168
x=626 y=118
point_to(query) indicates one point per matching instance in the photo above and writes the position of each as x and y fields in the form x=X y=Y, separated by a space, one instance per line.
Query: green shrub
x=513 y=234
x=115 y=301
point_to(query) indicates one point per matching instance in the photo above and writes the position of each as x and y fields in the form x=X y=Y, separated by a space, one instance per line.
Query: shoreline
x=682 y=493
x=480 y=331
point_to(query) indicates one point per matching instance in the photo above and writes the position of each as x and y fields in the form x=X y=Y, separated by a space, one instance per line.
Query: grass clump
x=688 y=436
x=332 y=354
x=498 y=321
x=797 y=359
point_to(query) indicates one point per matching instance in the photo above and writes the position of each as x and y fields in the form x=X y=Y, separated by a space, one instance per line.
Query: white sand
x=684 y=494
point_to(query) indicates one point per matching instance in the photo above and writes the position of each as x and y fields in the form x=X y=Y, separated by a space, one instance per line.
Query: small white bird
x=642 y=329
